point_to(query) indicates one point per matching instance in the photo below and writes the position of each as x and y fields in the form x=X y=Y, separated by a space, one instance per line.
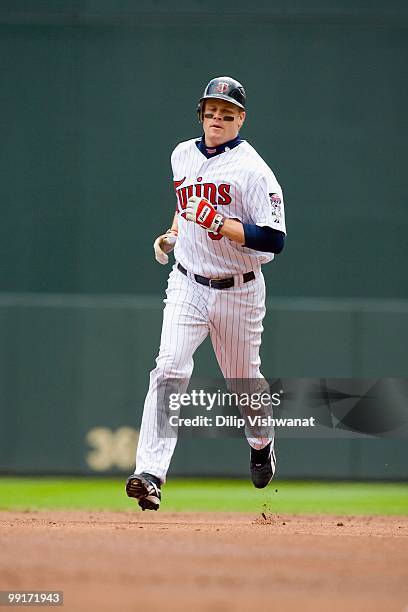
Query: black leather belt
x=217 y=283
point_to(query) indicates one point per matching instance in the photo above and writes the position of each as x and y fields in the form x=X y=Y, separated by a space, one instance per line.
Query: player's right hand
x=164 y=244
x=202 y=212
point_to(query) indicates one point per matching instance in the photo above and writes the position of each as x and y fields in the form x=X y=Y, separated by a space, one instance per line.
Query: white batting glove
x=164 y=244
x=202 y=212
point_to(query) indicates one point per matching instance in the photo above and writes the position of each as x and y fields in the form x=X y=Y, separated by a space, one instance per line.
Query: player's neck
x=213 y=143
x=209 y=151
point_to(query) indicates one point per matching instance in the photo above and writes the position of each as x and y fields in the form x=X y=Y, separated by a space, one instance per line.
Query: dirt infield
x=165 y=561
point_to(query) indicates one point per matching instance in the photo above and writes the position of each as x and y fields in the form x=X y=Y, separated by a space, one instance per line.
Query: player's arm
x=234 y=230
x=264 y=238
x=174 y=225
x=252 y=236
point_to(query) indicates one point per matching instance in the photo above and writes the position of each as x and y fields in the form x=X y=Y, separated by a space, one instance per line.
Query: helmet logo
x=222 y=87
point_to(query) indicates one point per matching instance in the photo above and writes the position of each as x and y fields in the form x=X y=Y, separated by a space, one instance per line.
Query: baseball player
x=228 y=222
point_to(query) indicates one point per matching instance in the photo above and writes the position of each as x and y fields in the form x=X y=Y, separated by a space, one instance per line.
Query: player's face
x=221 y=121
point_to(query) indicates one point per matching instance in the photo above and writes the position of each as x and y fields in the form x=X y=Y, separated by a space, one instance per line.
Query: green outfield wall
x=75 y=373
x=95 y=94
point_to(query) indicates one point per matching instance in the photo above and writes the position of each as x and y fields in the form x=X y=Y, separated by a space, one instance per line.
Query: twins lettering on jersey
x=218 y=195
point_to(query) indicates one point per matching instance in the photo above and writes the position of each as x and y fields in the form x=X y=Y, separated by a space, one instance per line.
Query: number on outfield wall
x=110 y=448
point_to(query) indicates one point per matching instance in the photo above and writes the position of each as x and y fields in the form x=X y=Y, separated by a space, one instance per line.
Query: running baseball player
x=229 y=221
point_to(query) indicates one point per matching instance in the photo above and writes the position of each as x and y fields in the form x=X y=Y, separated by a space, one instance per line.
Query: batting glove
x=202 y=212
x=164 y=244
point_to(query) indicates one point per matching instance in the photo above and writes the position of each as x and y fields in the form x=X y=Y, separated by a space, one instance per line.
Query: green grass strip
x=208 y=495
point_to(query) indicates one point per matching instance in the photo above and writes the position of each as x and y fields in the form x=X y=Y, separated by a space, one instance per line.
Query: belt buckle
x=213 y=280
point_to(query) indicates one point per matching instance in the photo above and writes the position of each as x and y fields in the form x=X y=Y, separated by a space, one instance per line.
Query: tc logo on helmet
x=222 y=87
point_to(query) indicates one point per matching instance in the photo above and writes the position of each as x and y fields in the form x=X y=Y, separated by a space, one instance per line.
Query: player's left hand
x=164 y=244
x=202 y=212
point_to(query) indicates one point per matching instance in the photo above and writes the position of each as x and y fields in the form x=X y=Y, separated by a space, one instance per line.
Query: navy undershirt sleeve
x=263 y=238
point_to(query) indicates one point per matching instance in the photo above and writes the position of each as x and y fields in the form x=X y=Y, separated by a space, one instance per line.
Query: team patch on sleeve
x=276 y=204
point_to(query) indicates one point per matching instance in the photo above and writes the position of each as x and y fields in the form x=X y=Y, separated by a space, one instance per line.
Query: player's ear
x=241 y=118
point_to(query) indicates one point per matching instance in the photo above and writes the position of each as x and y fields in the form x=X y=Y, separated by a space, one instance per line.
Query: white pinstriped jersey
x=241 y=186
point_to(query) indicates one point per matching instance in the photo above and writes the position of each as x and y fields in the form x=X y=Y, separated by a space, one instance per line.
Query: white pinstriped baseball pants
x=233 y=318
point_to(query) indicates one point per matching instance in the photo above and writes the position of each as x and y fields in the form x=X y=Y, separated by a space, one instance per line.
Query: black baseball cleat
x=146 y=489
x=263 y=463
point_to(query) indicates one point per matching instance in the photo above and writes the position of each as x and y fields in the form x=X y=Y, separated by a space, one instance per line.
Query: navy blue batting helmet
x=223 y=88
